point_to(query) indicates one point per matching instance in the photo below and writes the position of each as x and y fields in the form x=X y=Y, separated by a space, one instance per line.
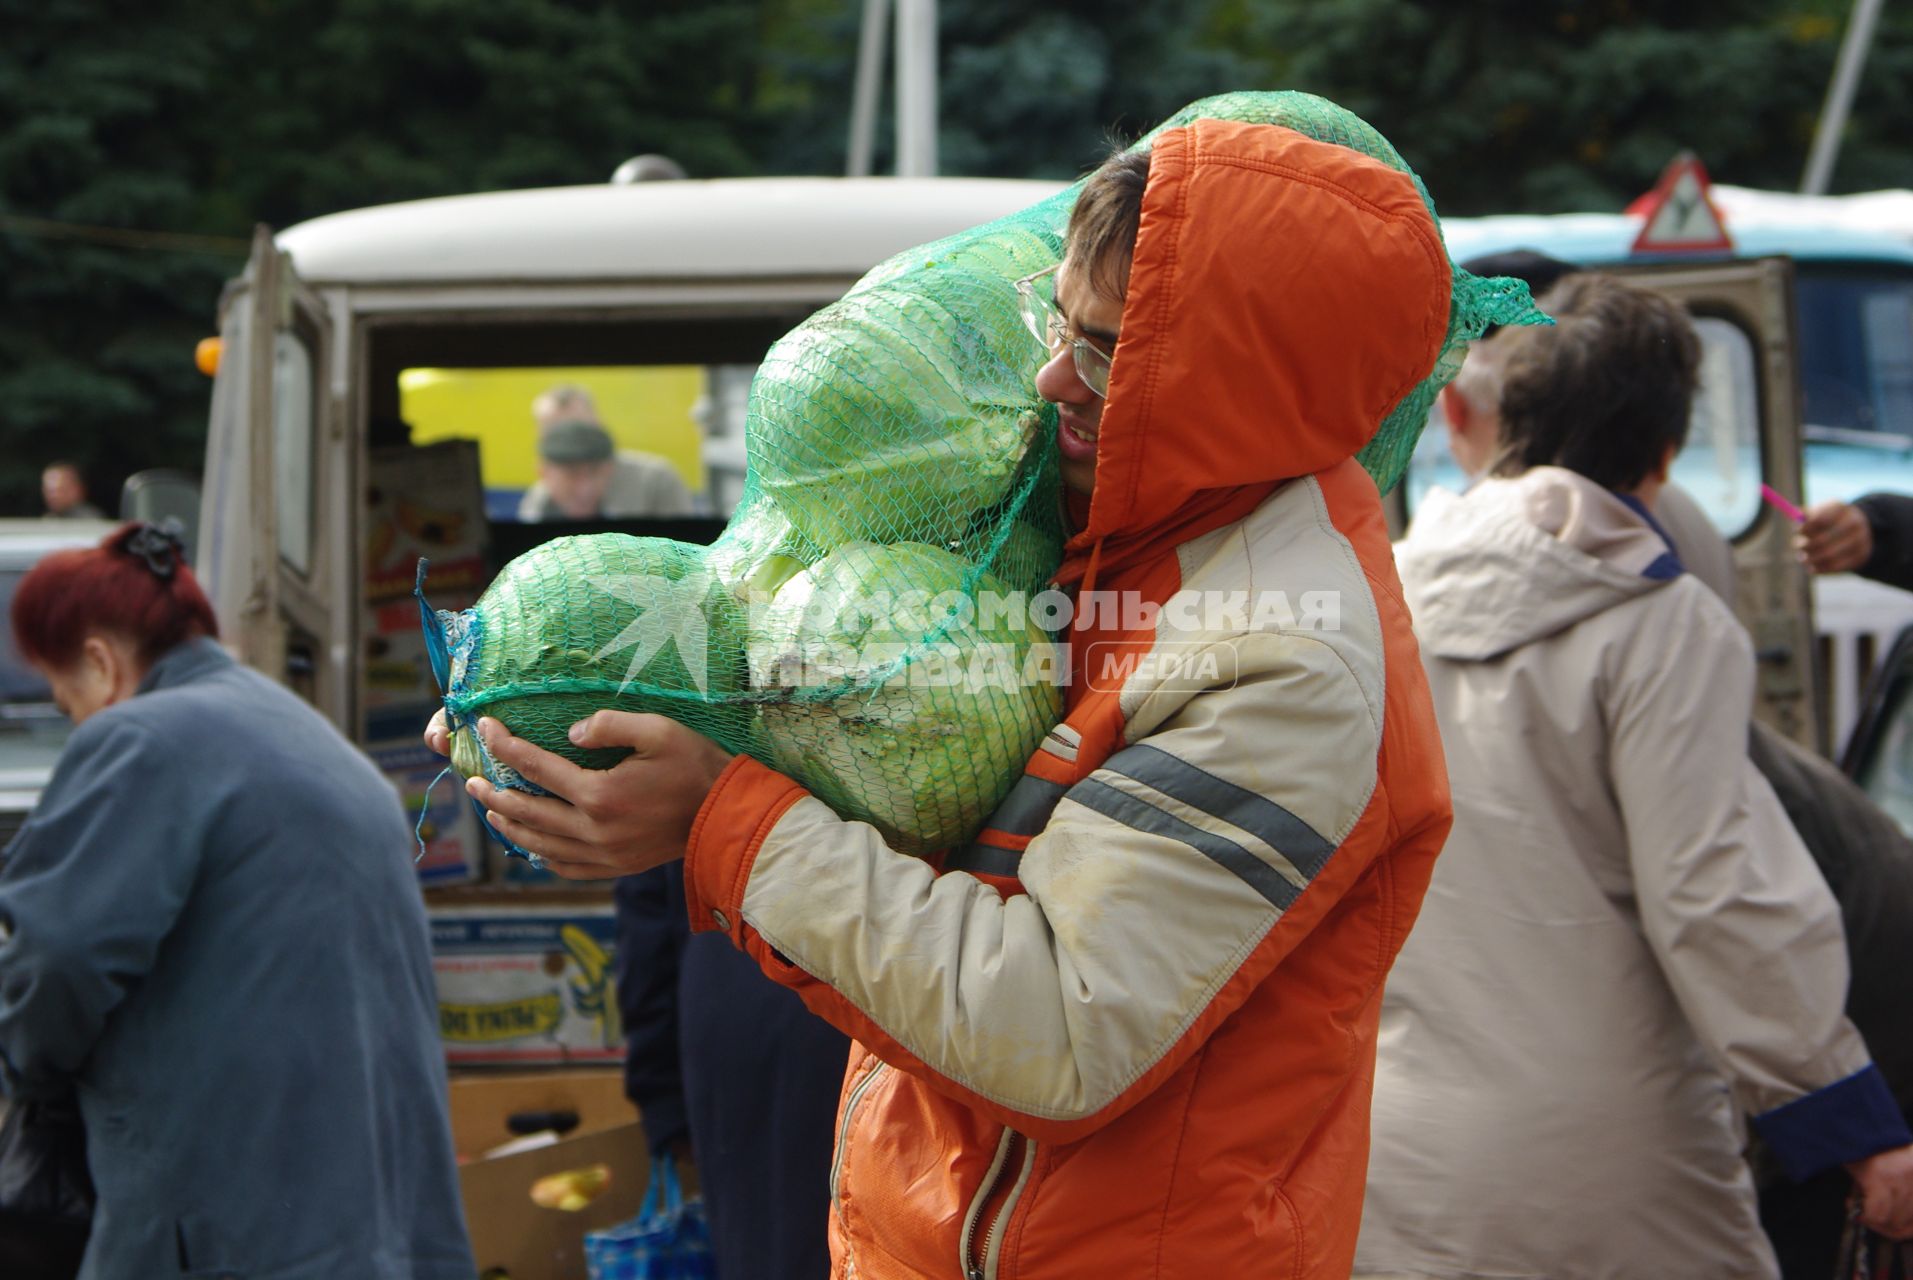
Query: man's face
x=61 y=489
x=1097 y=317
x=577 y=488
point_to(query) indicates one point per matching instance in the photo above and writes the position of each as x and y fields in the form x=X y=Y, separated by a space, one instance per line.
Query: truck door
x=1746 y=431
x=275 y=530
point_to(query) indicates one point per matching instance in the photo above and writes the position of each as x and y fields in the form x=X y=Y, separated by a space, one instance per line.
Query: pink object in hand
x=1781 y=505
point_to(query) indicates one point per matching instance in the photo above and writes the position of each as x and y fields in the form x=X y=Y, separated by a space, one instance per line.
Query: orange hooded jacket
x=1131 y=1030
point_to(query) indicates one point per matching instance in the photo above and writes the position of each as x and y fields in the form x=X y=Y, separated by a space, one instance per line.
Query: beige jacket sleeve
x=1164 y=887
x=1739 y=917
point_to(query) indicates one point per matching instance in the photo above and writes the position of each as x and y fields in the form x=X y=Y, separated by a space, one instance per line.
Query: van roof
x=1874 y=227
x=729 y=227
x=1877 y=212
x=23 y=540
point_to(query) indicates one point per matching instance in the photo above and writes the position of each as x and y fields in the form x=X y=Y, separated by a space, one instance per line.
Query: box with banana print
x=526 y=984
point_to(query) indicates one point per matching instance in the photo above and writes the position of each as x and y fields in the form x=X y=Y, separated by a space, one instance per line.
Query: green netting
x=864 y=623
x=640 y=624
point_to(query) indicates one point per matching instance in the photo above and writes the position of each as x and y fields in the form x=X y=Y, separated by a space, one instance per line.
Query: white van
x=317 y=492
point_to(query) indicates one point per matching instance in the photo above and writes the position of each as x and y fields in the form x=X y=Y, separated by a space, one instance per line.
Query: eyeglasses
x=1049 y=327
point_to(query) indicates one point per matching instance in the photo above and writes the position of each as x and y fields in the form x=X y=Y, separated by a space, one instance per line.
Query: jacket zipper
x=843 y=1128
x=1013 y=1150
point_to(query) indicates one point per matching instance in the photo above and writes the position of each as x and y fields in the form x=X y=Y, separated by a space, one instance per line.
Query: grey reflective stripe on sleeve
x=1260 y=816
x=983 y=860
x=1026 y=810
x=1143 y=816
x=1063 y=742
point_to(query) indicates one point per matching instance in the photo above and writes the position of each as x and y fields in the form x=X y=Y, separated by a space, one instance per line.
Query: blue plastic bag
x=668 y=1240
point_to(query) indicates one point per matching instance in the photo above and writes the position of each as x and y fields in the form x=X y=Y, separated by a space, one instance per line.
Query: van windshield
x=1856 y=371
x=480 y=462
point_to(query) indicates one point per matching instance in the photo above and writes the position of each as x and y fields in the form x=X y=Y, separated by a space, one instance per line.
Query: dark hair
x=134 y=584
x=1103 y=225
x=1604 y=392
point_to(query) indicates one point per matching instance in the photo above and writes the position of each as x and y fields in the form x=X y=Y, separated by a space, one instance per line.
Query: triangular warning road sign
x=1679 y=216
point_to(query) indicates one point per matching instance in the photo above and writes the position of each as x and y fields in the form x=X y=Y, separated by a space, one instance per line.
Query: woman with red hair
x=94 y=621
x=210 y=931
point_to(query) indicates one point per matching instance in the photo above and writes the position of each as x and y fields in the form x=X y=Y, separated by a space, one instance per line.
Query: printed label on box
x=526 y=985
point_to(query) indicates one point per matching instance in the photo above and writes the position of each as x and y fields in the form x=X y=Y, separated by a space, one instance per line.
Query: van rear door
x=279 y=449
x=1746 y=431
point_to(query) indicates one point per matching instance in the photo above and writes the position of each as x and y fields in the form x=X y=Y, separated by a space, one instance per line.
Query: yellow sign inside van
x=648 y=409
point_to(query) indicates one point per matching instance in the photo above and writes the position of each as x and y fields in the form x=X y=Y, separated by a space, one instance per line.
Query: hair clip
x=160 y=545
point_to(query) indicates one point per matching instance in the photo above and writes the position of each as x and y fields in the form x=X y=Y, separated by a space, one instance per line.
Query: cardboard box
x=508 y=1230
x=421 y=503
x=527 y=983
x=483 y=1103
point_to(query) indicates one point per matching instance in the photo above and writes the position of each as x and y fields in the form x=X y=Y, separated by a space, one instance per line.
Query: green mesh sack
x=897 y=451
x=903 y=684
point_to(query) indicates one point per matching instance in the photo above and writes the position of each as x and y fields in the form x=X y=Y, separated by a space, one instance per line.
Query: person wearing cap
x=582 y=475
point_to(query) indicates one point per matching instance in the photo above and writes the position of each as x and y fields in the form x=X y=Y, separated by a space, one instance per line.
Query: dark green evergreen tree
x=197 y=119
x=96 y=336
x=1578 y=104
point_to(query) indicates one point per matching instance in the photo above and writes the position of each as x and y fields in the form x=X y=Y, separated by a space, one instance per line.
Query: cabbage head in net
x=590 y=622
x=924 y=754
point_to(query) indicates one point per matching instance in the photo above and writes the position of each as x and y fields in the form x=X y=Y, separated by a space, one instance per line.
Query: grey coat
x=1868 y=863
x=210 y=928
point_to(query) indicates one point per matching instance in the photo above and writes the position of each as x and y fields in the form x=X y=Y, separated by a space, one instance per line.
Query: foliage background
x=201 y=119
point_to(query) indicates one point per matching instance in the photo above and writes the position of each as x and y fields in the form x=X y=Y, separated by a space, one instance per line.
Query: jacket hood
x=1284 y=295
x=1517 y=560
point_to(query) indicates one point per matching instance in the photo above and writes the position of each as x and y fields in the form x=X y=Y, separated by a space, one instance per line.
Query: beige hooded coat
x=1625 y=947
